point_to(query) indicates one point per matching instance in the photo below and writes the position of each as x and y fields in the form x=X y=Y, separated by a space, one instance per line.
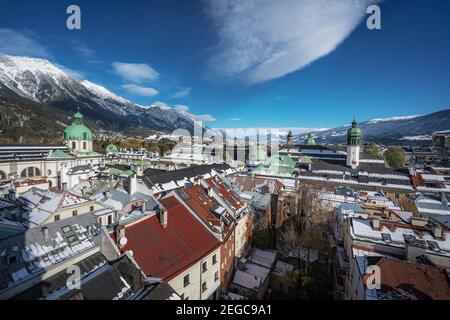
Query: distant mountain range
x=38 y=99
x=35 y=92
x=406 y=130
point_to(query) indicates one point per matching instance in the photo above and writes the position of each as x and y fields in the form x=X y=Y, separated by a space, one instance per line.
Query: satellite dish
x=123 y=241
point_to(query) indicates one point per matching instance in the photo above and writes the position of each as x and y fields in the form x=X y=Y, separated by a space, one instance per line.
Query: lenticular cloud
x=260 y=40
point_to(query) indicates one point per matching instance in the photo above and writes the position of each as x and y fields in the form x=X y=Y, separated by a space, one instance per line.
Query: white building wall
x=193 y=291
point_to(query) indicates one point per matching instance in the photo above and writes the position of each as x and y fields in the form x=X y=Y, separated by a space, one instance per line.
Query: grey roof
x=59 y=280
x=151 y=179
x=443 y=220
x=67 y=239
x=27 y=152
x=107 y=193
x=431 y=204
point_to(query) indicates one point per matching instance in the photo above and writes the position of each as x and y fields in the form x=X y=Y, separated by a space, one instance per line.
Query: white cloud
x=204 y=117
x=184 y=110
x=183 y=92
x=141 y=91
x=235 y=119
x=136 y=72
x=396 y=118
x=181 y=108
x=260 y=40
x=74 y=74
x=21 y=44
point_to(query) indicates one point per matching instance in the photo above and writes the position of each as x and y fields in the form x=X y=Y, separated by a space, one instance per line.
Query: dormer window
x=12 y=258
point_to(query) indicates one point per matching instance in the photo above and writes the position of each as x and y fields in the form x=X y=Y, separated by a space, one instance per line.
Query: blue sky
x=249 y=63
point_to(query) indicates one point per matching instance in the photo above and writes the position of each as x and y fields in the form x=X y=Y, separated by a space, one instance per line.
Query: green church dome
x=354 y=134
x=112 y=148
x=310 y=140
x=77 y=130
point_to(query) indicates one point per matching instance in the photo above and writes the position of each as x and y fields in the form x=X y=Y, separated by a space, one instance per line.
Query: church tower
x=290 y=139
x=353 y=145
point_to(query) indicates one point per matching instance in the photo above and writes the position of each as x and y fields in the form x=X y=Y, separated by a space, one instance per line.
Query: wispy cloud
x=260 y=40
x=199 y=117
x=84 y=50
x=183 y=92
x=184 y=110
x=142 y=91
x=135 y=72
x=74 y=74
x=18 y=43
x=235 y=119
x=204 y=117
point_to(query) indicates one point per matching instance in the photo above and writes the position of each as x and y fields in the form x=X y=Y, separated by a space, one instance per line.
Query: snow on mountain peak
x=396 y=118
x=102 y=92
x=14 y=65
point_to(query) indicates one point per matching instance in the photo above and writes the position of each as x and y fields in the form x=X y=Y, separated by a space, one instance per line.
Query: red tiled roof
x=413 y=280
x=202 y=204
x=164 y=252
x=229 y=195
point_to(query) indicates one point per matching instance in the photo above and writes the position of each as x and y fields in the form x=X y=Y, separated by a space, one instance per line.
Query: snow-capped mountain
x=44 y=83
x=400 y=130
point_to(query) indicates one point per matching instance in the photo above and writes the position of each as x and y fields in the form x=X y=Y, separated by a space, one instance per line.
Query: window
x=204 y=288
x=84 y=145
x=72 y=239
x=110 y=220
x=186 y=281
x=214 y=259
x=91 y=208
x=205 y=266
x=49 y=172
x=74 y=145
x=216 y=276
x=66 y=229
x=2 y=175
x=12 y=259
x=30 y=172
x=74 y=213
x=57 y=217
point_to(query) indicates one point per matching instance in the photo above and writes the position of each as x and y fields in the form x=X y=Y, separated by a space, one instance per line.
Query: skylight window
x=434 y=246
x=66 y=229
x=72 y=239
x=386 y=237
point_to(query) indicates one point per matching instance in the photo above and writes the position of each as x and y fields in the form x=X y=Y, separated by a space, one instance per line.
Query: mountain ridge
x=43 y=83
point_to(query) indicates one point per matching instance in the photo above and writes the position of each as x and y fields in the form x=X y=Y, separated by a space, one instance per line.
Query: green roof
x=310 y=140
x=354 y=130
x=112 y=148
x=283 y=165
x=89 y=154
x=77 y=130
x=59 y=154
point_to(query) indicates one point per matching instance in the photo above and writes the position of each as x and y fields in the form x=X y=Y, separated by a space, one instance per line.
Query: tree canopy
x=395 y=157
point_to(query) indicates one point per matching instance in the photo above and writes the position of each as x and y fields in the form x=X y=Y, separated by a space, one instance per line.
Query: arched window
x=30 y=172
x=2 y=175
x=74 y=145
x=84 y=145
x=49 y=183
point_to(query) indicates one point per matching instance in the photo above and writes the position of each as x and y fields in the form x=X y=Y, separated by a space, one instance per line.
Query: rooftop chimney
x=376 y=223
x=45 y=233
x=437 y=231
x=133 y=184
x=120 y=235
x=163 y=217
x=12 y=195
